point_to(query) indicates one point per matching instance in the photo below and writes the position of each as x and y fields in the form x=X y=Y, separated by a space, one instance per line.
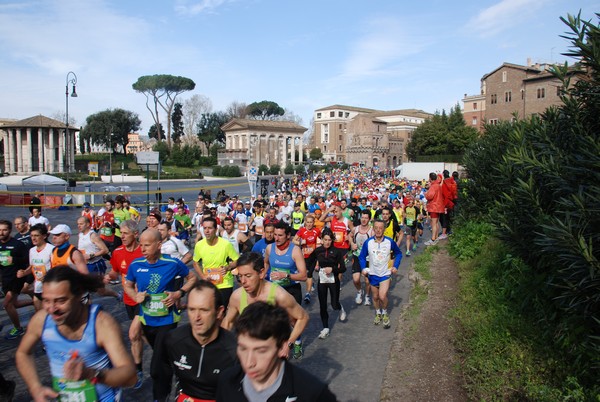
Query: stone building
x=512 y=90
x=363 y=136
x=250 y=142
x=37 y=144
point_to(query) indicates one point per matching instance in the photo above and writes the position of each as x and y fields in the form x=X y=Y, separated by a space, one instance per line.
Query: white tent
x=43 y=180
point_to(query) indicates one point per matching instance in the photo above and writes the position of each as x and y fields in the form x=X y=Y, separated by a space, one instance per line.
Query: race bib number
x=75 y=391
x=340 y=237
x=242 y=227
x=380 y=258
x=106 y=231
x=326 y=278
x=154 y=306
x=259 y=230
x=281 y=282
x=117 y=221
x=4 y=257
x=39 y=271
x=214 y=275
x=409 y=222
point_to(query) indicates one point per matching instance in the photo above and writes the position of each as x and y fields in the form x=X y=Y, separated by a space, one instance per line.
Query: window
x=522 y=94
x=559 y=90
x=331 y=114
x=340 y=114
x=318 y=115
x=541 y=93
x=504 y=74
x=493 y=121
x=325 y=148
x=494 y=99
x=474 y=121
x=474 y=105
x=340 y=148
x=340 y=126
x=340 y=137
x=508 y=96
x=347 y=114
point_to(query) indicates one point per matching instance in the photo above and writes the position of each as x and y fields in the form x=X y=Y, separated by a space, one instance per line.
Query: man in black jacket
x=262 y=331
x=199 y=351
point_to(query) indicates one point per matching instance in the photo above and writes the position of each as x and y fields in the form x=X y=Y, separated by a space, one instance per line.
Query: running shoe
x=324 y=333
x=386 y=321
x=115 y=282
x=377 y=320
x=415 y=247
x=443 y=236
x=14 y=333
x=307 y=298
x=298 y=351
x=407 y=253
x=367 y=300
x=358 y=298
x=343 y=315
x=140 y=380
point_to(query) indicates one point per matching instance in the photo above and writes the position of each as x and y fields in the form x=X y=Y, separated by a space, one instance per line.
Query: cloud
x=503 y=16
x=188 y=7
x=385 y=44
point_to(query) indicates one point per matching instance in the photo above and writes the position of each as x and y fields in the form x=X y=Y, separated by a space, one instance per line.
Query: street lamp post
x=72 y=81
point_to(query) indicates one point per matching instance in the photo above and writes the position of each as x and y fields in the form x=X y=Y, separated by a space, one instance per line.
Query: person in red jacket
x=449 y=191
x=435 y=206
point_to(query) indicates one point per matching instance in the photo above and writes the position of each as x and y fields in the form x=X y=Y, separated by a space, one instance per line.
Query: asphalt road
x=352 y=360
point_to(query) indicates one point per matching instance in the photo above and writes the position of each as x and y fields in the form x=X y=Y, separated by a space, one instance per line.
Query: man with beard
x=84 y=345
x=14 y=256
x=199 y=351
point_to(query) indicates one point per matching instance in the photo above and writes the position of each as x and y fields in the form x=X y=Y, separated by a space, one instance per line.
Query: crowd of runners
x=240 y=265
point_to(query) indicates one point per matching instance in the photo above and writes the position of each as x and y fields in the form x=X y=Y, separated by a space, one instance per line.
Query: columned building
x=250 y=142
x=365 y=137
x=37 y=145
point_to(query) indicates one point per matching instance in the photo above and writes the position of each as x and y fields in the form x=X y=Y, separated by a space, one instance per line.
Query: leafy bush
x=216 y=170
x=469 y=238
x=274 y=169
x=538 y=181
x=289 y=169
x=263 y=169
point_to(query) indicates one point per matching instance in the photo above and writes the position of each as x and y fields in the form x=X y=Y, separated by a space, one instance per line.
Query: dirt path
x=423 y=364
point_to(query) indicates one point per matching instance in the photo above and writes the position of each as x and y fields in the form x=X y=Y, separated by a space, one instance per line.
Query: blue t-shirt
x=155 y=279
x=260 y=247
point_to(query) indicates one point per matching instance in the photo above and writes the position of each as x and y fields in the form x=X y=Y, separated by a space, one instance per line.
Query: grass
x=504 y=357
x=419 y=291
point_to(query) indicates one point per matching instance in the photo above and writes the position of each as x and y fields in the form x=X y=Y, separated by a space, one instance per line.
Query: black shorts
x=356 y=265
x=311 y=262
x=14 y=285
x=410 y=230
x=296 y=291
x=29 y=279
x=132 y=311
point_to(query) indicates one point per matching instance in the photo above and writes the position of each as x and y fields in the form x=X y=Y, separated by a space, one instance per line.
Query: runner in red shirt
x=307 y=238
x=120 y=261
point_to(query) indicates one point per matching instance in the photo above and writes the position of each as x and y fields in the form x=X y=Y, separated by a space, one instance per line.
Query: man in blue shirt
x=154 y=274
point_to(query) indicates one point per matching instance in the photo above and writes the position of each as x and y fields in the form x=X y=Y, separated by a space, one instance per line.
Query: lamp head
x=74 y=94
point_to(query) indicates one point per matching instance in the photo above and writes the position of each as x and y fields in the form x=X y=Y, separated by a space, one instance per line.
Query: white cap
x=61 y=228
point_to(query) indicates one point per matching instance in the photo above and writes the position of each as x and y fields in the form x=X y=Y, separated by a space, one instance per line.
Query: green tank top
x=270 y=297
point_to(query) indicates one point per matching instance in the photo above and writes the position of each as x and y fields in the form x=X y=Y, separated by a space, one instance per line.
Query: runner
x=236 y=237
x=199 y=351
x=88 y=359
x=330 y=264
x=378 y=249
x=307 y=238
x=255 y=287
x=214 y=258
x=359 y=236
x=39 y=261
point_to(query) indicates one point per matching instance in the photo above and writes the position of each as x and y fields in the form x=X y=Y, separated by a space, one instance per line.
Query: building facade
x=513 y=91
x=363 y=136
x=250 y=142
x=36 y=145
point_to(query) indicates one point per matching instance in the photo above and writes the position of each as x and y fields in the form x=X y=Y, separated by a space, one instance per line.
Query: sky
x=302 y=54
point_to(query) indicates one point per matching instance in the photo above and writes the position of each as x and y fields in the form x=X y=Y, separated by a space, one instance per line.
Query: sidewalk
x=15 y=180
